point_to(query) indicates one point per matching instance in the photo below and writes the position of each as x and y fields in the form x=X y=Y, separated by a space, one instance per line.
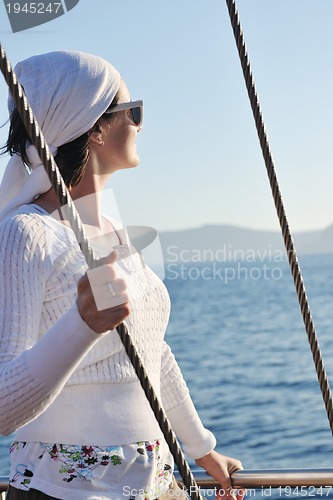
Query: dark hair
x=71 y=158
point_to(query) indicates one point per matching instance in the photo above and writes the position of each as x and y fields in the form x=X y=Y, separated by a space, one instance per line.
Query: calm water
x=238 y=335
x=244 y=352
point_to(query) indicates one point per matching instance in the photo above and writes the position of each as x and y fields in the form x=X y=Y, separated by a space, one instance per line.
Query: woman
x=84 y=429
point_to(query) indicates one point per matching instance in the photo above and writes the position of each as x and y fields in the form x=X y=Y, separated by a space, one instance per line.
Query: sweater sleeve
x=196 y=439
x=32 y=371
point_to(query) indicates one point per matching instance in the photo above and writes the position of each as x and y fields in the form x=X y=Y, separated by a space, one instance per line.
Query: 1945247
x=33 y=8
x=303 y=491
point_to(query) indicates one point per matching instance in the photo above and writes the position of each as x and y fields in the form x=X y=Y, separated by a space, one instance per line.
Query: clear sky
x=200 y=157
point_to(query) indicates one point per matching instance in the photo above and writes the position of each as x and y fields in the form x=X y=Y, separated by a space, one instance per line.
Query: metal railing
x=275 y=478
x=3 y=483
x=255 y=478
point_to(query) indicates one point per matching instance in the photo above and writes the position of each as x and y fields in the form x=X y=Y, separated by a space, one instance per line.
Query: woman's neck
x=87 y=200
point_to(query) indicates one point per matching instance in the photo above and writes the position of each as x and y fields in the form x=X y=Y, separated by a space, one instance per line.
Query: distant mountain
x=225 y=242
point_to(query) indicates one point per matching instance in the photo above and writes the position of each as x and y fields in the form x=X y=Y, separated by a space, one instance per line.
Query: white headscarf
x=68 y=91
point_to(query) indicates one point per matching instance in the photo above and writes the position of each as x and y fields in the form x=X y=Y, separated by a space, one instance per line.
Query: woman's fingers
x=221 y=467
x=241 y=493
x=107 y=294
x=102 y=296
x=230 y=494
x=108 y=290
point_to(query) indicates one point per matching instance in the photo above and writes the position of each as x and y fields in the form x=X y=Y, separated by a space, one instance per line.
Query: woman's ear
x=96 y=137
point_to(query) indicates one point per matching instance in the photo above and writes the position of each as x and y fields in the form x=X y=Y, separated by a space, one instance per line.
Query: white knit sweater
x=59 y=380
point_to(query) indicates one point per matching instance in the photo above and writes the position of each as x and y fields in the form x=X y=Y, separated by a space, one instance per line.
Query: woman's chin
x=129 y=163
x=135 y=161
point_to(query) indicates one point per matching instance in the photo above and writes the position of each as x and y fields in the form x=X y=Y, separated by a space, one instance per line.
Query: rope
x=37 y=139
x=287 y=237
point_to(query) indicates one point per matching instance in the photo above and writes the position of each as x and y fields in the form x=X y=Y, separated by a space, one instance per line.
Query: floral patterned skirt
x=139 y=471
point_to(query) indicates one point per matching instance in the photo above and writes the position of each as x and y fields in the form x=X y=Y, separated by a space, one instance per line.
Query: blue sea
x=237 y=333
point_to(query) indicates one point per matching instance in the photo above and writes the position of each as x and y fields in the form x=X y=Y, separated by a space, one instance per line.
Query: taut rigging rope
x=37 y=139
x=288 y=241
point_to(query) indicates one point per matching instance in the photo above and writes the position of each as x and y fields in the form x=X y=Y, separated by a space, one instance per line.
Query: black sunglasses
x=135 y=108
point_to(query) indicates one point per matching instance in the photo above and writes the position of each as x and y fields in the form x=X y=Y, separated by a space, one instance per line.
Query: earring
x=100 y=142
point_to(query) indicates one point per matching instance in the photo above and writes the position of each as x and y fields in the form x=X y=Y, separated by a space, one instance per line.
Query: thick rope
x=288 y=241
x=37 y=139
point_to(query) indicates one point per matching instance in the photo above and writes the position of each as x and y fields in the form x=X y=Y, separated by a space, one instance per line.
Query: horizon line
x=248 y=228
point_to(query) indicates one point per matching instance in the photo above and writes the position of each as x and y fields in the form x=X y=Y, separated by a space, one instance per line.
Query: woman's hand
x=102 y=299
x=220 y=468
